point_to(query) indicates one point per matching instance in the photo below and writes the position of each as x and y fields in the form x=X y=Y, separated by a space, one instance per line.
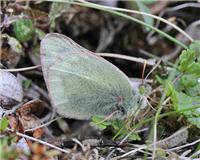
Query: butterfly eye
x=139 y=100
x=121 y=109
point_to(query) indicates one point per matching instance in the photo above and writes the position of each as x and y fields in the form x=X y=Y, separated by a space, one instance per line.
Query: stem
x=160 y=107
x=144 y=14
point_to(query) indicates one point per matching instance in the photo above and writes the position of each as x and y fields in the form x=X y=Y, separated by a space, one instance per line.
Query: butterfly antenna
x=143 y=70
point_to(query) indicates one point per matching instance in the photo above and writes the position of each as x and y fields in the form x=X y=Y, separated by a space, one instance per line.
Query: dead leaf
x=26 y=116
x=10 y=90
x=12 y=122
x=30 y=121
x=38 y=133
x=38 y=148
x=178 y=138
x=30 y=107
x=11 y=51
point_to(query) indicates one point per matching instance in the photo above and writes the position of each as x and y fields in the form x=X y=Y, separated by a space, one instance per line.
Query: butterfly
x=82 y=84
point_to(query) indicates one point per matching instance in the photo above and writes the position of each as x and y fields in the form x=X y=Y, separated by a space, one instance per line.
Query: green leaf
x=188 y=80
x=170 y=91
x=26 y=83
x=118 y=125
x=99 y=122
x=194 y=68
x=143 y=8
x=159 y=79
x=23 y=29
x=187 y=61
x=122 y=131
x=140 y=6
x=169 y=88
x=148 y=1
x=187 y=58
x=193 y=91
x=185 y=102
x=195 y=46
x=3 y=124
x=134 y=137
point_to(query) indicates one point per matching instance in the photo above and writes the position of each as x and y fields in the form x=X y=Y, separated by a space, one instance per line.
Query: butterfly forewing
x=81 y=84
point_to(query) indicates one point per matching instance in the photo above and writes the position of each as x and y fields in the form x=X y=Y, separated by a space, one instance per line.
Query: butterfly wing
x=81 y=84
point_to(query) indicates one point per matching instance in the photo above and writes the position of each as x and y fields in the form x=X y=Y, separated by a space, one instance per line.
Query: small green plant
x=120 y=128
x=7 y=151
x=184 y=91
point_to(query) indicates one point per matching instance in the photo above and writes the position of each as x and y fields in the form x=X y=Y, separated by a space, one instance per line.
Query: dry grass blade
x=40 y=141
x=21 y=69
x=129 y=58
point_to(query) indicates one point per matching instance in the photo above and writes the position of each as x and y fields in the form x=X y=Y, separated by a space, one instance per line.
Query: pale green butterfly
x=81 y=84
